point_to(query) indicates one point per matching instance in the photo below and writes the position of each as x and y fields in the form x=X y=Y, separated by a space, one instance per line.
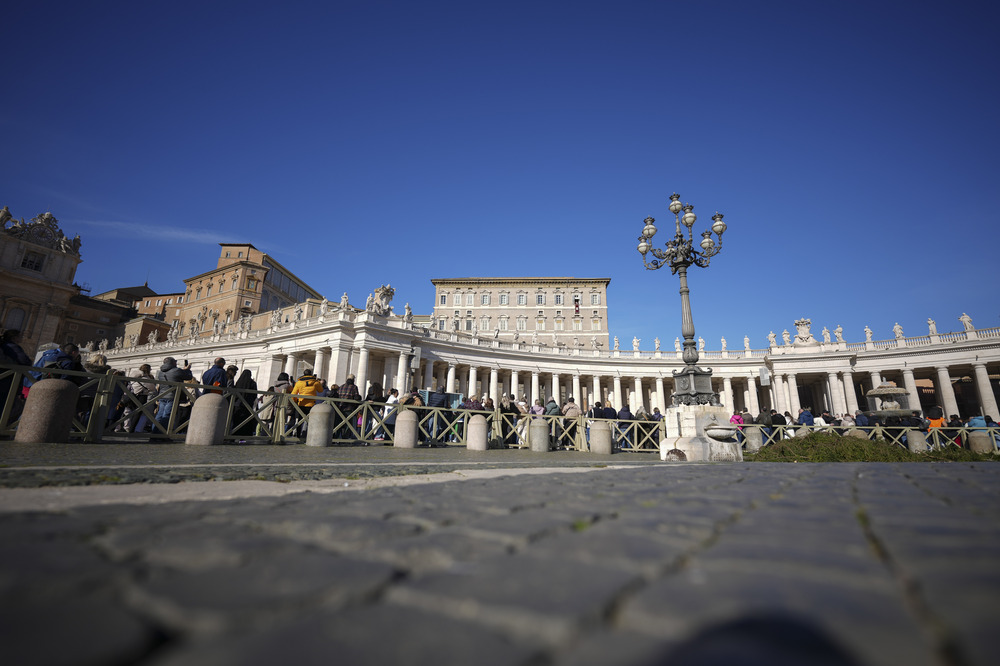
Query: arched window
x=15 y=319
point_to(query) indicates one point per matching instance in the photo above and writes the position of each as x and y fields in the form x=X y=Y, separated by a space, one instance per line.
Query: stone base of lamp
x=700 y=433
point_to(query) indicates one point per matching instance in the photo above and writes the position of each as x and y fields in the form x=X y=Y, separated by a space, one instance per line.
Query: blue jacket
x=215 y=376
x=806 y=418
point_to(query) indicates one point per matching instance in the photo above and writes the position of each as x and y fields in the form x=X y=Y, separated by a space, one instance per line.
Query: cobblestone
x=852 y=563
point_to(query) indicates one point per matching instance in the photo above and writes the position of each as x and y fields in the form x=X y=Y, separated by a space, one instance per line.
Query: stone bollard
x=320 y=422
x=980 y=441
x=753 y=439
x=208 y=420
x=538 y=435
x=407 y=427
x=916 y=441
x=48 y=413
x=856 y=432
x=600 y=439
x=802 y=432
x=476 y=439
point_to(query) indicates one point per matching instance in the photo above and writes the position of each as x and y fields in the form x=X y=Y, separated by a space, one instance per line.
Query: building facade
x=549 y=312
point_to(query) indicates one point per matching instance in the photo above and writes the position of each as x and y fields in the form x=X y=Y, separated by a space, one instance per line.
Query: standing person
x=737 y=420
x=97 y=364
x=439 y=400
x=389 y=413
x=241 y=412
x=509 y=414
x=231 y=372
x=270 y=404
x=571 y=413
x=595 y=412
x=415 y=402
x=169 y=372
x=367 y=417
x=141 y=387
x=11 y=352
x=307 y=387
x=624 y=417
x=216 y=375
x=347 y=391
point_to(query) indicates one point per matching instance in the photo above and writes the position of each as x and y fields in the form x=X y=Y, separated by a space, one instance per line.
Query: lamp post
x=692 y=385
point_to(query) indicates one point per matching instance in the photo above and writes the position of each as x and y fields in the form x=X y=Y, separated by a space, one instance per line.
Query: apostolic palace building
x=538 y=336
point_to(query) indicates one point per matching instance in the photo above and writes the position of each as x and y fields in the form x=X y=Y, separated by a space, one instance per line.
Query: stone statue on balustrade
x=343 y=302
x=408 y=314
x=724 y=344
x=299 y=312
x=133 y=341
x=701 y=343
x=324 y=305
x=868 y=334
x=153 y=337
x=635 y=344
x=838 y=333
x=932 y=326
x=102 y=346
x=826 y=334
x=616 y=343
x=275 y=318
x=897 y=330
x=772 y=339
x=966 y=322
x=677 y=344
x=379 y=303
x=786 y=336
x=746 y=343
x=656 y=344
x=119 y=343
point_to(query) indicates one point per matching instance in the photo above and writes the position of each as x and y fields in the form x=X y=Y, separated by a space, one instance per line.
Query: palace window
x=484 y=324
x=484 y=299
x=539 y=324
x=441 y=323
x=503 y=299
x=468 y=324
x=559 y=299
x=469 y=299
x=522 y=324
x=33 y=261
x=577 y=324
x=503 y=324
x=559 y=324
x=595 y=324
x=522 y=299
x=443 y=300
x=208 y=292
x=595 y=299
x=539 y=299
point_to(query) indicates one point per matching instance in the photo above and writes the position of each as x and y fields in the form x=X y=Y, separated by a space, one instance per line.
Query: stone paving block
x=253 y=594
x=49 y=568
x=647 y=555
x=526 y=526
x=751 y=553
x=621 y=648
x=435 y=550
x=372 y=635
x=71 y=631
x=342 y=534
x=966 y=600
x=872 y=621
x=533 y=598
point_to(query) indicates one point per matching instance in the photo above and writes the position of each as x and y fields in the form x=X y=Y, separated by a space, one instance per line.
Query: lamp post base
x=700 y=433
x=693 y=386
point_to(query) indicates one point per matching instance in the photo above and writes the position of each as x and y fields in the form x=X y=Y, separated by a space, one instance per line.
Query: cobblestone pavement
x=643 y=564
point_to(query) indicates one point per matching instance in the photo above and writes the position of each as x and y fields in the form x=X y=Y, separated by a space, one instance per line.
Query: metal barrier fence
x=109 y=411
x=937 y=438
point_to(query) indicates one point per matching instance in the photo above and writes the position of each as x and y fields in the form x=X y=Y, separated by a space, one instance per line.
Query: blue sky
x=853 y=148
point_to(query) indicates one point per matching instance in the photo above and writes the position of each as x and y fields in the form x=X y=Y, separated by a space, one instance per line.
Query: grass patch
x=830 y=447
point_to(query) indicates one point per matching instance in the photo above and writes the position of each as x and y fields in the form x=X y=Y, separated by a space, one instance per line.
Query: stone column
x=576 y=391
x=793 y=396
x=596 y=396
x=535 y=389
x=946 y=391
x=850 y=392
x=495 y=385
x=514 y=381
x=876 y=378
x=473 y=381
x=554 y=387
x=910 y=384
x=362 y=378
x=291 y=365
x=727 y=393
x=752 y=393
x=637 y=395
x=661 y=395
x=778 y=391
x=450 y=382
x=428 y=374
x=403 y=373
x=618 y=402
x=837 y=394
x=987 y=400
x=322 y=363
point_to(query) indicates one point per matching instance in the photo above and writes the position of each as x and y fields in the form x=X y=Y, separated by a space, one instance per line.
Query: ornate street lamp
x=693 y=385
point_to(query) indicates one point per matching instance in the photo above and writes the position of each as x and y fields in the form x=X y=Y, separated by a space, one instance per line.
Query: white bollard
x=208 y=420
x=476 y=439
